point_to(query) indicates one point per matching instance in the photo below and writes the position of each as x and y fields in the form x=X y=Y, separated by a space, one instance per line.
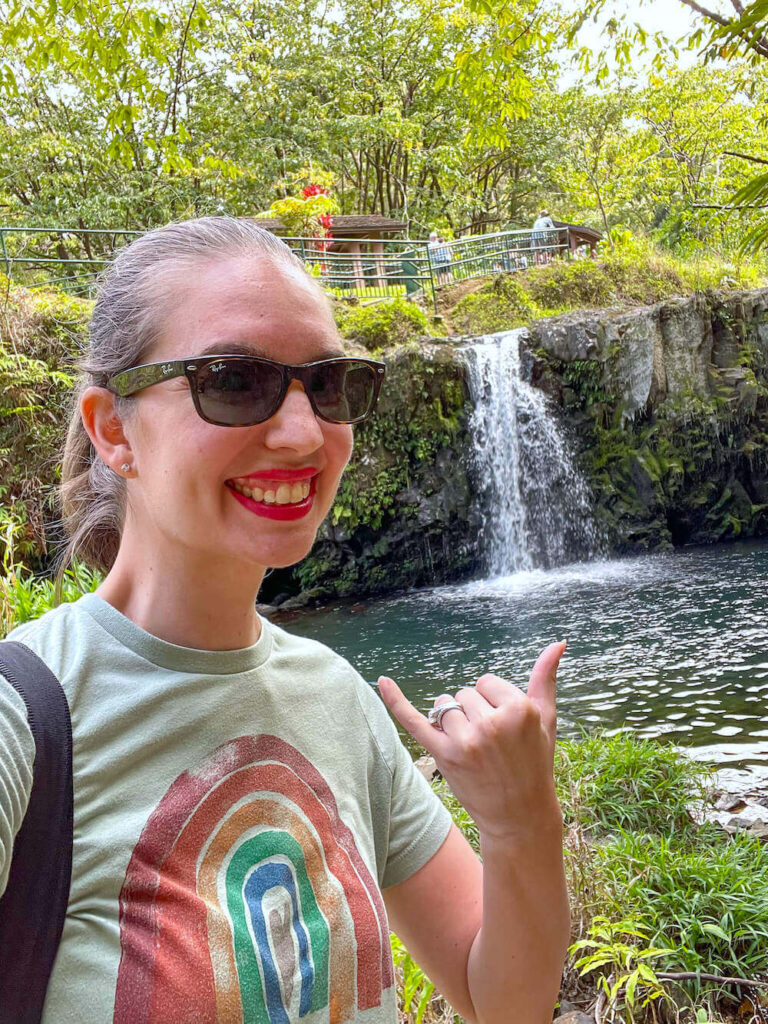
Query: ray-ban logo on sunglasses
x=167 y=368
x=216 y=366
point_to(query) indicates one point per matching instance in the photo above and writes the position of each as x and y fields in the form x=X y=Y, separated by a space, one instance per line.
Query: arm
x=493 y=937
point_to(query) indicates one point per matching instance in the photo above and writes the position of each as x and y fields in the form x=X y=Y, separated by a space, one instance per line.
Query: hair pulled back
x=126 y=321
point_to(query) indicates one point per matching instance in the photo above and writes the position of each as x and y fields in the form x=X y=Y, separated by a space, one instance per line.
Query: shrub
x=613 y=783
x=41 y=334
x=383 y=325
x=501 y=305
x=709 y=902
x=24 y=597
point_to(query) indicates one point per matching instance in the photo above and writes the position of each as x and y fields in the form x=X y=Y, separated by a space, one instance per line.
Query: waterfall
x=537 y=506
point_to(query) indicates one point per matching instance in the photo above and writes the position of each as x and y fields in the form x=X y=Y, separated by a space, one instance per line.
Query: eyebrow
x=234 y=348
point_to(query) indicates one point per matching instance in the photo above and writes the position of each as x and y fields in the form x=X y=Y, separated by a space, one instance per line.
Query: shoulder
x=58 y=633
x=56 y=620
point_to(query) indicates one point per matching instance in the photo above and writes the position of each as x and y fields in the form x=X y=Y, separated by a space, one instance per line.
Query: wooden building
x=360 y=236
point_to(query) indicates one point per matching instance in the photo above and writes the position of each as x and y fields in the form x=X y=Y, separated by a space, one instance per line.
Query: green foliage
x=40 y=336
x=625 y=974
x=25 y=596
x=414 y=987
x=585 y=378
x=632 y=272
x=707 y=898
x=499 y=306
x=459 y=814
x=383 y=325
x=300 y=214
x=612 y=783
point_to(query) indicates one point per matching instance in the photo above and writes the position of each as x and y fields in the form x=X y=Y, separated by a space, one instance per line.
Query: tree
x=740 y=35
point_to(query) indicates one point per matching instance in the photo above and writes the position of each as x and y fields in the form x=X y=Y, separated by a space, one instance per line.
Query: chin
x=282 y=556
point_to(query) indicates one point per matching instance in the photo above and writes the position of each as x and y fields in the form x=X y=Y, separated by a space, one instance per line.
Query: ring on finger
x=435 y=714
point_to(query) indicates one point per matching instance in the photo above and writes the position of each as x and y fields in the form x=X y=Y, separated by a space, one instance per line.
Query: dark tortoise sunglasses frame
x=129 y=382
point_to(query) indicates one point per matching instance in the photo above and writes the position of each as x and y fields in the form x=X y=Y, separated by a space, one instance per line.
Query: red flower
x=314 y=190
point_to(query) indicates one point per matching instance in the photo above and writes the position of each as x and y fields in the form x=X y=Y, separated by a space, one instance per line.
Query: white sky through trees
x=671 y=17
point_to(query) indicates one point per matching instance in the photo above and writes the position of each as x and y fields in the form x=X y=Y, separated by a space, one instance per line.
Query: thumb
x=406 y=714
x=542 y=686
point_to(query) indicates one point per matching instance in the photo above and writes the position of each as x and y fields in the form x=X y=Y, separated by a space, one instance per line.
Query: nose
x=294 y=425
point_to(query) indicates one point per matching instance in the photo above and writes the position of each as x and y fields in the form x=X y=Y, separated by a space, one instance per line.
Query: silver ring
x=435 y=714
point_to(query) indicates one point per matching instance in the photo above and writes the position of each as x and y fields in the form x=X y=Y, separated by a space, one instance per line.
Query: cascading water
x=537 y=505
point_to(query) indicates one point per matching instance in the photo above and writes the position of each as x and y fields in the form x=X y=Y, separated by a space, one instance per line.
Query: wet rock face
x=666 y=407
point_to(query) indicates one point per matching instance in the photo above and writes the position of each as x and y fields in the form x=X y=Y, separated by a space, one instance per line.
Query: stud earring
x=125 y=467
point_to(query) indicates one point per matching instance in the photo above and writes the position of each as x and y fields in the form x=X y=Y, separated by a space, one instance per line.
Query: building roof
x=580 y=231
x=347 y=225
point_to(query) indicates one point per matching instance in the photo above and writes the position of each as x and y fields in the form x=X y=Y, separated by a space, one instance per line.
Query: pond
x=671 y=645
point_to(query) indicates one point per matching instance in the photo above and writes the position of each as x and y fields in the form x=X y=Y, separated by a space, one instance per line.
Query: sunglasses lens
x=343 y=390
x=238 y=392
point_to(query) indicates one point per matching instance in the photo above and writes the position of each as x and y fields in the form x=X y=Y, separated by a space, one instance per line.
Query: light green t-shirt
x=236 y=815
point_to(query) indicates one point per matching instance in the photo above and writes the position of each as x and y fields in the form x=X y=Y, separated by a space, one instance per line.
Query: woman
x=241 y=796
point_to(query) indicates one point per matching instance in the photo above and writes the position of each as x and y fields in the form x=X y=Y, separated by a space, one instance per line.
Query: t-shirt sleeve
x=418 y=821
x=17 y=755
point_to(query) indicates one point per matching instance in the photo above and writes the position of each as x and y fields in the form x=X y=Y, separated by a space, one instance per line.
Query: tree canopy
x=448 y=114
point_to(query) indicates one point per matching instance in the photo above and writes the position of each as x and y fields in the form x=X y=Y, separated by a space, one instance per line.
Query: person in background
x=542 y=236
x=442 y=260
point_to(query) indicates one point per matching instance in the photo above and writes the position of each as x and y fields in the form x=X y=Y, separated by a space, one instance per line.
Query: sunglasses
x=239 y=391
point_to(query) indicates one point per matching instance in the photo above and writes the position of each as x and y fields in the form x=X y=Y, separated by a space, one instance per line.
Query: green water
x=671 y=645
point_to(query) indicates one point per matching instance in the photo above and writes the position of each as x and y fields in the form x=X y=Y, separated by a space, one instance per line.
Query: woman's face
x=184 y=493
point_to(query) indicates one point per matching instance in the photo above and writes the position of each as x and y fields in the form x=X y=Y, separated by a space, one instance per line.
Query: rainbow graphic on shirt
x=246 y=900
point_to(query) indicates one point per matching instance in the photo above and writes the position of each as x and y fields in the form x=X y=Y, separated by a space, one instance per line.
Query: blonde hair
x=127 y=320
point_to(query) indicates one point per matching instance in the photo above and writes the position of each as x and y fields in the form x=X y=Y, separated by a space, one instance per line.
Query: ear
x=105 y=429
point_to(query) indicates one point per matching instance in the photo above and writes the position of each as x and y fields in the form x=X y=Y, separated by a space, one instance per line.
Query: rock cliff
x=666 y=407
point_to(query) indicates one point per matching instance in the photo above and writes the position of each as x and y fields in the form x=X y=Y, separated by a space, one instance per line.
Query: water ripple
x=671 y=645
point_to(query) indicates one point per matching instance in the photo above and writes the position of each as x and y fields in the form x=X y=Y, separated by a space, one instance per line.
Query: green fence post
x=431 y=277
x=5 y=255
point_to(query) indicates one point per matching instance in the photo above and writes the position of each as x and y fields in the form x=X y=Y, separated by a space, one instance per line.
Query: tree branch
x=685 y=975
x=712 y=15
x=714 y=206
x=745 y=156
x=179 y=66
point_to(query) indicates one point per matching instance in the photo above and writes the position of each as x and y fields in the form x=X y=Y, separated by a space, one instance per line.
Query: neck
x=192 y=602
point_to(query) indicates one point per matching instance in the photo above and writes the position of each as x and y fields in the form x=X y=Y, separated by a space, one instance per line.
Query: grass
x=614 y=784
x=25 y=596
x=634 y=273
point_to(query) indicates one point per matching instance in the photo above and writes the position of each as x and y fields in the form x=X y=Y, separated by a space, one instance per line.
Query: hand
x=497 y=756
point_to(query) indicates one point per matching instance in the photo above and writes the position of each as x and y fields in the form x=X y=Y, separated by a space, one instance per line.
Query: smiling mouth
x=274 y=493
x=287 y=495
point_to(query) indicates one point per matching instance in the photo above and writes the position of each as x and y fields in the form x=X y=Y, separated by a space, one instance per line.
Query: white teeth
x=285 y=494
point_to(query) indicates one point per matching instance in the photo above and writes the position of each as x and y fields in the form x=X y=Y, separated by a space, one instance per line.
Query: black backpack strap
x=34 y=904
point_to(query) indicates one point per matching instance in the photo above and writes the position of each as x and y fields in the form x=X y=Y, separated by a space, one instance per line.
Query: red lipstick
x=285 y=513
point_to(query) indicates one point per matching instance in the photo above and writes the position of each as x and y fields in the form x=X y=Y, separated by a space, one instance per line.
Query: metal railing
x=70 y=258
